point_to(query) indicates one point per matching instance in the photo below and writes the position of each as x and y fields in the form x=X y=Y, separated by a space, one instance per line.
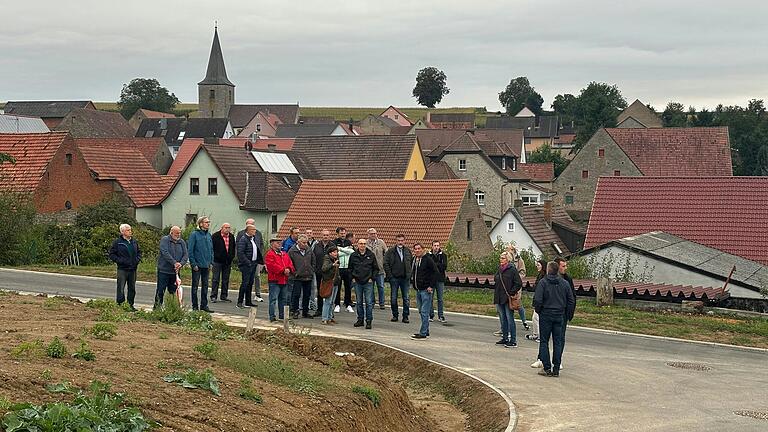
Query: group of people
x=554 y=304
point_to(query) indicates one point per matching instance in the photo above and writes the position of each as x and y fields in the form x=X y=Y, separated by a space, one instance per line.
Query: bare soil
x=135 y=360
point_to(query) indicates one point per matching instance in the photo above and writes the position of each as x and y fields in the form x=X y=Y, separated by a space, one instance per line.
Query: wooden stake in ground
x=285 y=318
x=251 y=319
x=604 y=293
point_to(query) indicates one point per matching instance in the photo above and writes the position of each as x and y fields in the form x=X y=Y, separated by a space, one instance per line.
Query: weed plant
x=84 y=352
x=248 y=393
x=103 y=331
x=32 y=348
x=56 y=349
x=193 y=379
x=208 y=349
x=276 y=371
x=372 y=394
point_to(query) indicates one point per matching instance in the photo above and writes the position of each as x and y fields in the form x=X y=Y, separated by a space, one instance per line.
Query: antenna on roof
x=215 y=24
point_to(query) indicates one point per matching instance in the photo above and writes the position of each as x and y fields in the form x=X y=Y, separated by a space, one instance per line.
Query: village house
x=142 y=114
x=638 y=115
x=304 y=130
x=89 y=123
x=398 y=116
x=621 y=152
x=154 y=150
x=538 y=130
x=22 y=124
x=175 y=130
x=451 y=120
x=379 y=125
x=52 y=112
x=546 y=230
x=261 y=125
x=446 y=211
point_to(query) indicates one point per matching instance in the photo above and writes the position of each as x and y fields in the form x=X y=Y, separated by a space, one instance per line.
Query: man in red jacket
x=279 y=267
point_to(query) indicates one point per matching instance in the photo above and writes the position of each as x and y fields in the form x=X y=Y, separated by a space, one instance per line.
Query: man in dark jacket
x=304 y=272
x=441 y=262
x=259 y=240
x=224 y=251
x=126 y=254
x=555 y=303
x=171 y=258
x=247 y=259
x=321 y=250
x=200 y=259
x=424 y=275
x=363 y=268
x=397 y=266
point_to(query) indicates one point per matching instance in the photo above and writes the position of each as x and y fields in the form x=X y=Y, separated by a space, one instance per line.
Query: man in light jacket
x=379 y=248
x=200 y=258
x=172 y=257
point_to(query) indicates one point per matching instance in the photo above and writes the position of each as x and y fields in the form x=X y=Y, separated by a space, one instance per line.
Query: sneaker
x=502 y=342
x=239 y=306
x=510 y=345
x=272 y=320
x=324 y=322
x=406 y=321
x=432 y=319
x=530 y=337
x=442 y=320
x=545 y=373
x=418 y=336
x=213 y=300
x=358 y=323
x=537 y=364
x=368 y=325
x=249 y=305
x=394 y=319
x=206 y=310
x=225 y=300
x=382 y=307
x=133 y=309
x=295 y=315
x=337 y=309
x=527 y=327
x=498 y=333
x=259 y=299
x=350 y=309
x=332 y=321
x=555 y=372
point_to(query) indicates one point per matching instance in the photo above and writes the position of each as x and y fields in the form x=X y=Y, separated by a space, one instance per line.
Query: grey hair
x=124 y=227
x=174 y=227
x=201 y=219
x=250 y=226
x=553 y=267
x=303 y=237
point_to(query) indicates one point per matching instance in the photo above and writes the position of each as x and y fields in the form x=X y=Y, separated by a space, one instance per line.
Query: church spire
x=217 y=72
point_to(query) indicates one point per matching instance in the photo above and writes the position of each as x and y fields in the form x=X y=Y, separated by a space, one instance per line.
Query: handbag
x=326 y=286
x=514 y=300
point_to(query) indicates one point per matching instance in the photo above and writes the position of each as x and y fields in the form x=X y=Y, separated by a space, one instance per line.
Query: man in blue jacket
x=172 y=257
x=555 y=304
x=200 y=258
x=126 y=254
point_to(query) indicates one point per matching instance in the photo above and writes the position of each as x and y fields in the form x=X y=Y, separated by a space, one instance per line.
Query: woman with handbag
x=329 y=283
x=506 y=296
x=517 y=261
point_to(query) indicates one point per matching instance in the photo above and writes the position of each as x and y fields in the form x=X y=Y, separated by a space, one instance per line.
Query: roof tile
x=32 y=152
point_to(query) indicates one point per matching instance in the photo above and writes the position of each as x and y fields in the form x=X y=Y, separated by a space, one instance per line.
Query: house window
x=212 y=94
x=194 y=186
x=149 y=134
x=396 y=116
x=601 y=153
x=469 y=230
x=163 y=132
x=503 y=163
x=585 y=174
x=274 y=223
x=190 y=219
x=617 y=173
x=415 y=175
x=514 y=164
x=68 y=156
x=530 y=199
x=213 y=186
x=258 y=127
x=462 y=164
x=569 y=199
x=480 y=197
x=510 y=227
x=488 y=224
x=181 y=135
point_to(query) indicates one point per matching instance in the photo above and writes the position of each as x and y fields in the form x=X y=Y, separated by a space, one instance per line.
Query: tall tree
x=145 y=93
x=430 y=87
x=518 y=94
x=565 y=106
x=674 y=115
x=545 y=154
x=597 y=106
x=761 y=163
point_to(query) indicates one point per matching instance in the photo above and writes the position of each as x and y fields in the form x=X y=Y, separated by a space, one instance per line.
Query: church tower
x=215 y=93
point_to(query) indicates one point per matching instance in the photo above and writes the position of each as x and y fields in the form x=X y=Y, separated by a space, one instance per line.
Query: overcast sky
x=363 y=53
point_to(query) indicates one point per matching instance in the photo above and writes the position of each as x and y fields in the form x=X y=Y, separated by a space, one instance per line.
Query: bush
x=96 y=410
x=56 y=349
x=84 y=352
x=103 y=331
x=208 y=349
x=110 y=212
x=16 y=216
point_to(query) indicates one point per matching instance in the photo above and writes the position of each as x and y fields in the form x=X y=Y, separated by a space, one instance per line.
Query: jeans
x=346 y=279
x=200 y=277
x=379 y=281
x=126 y=277
x=425 y=307
x=277 y=297
x=508 y=328
x=551 y=324
x=244 y=295
x=221 y=273
x=257 y=280
x=399 y=285
x=521 y=312
x=439 y=290
x=535 y=326
x=364 y=293
x=303 y=289
x=328 y=304
x=165 y=281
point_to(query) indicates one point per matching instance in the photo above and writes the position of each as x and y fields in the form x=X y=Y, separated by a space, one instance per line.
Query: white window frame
x=462 y=162
x=480 y=197
x=503 y=163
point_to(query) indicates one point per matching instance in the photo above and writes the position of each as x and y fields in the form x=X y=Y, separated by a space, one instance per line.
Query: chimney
x=548 y=211
x=271 y=147
x=518 y=205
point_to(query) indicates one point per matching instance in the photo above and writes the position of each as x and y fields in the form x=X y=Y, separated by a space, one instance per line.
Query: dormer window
x=514 y=164
x=503 y=163
x=181 y=135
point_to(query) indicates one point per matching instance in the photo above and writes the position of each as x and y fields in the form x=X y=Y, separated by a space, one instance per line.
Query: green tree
x=761 y=164
x=145 y=93
x=430 y=87
x=108 y=212
x=545 y=154
x=565 y=106
x=674 y=115
x=597 y=106
x=518 y=94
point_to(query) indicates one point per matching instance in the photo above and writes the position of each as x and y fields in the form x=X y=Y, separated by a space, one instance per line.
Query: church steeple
x=216 y=93
x=217 y=72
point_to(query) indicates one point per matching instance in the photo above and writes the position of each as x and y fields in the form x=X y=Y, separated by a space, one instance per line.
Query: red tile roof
x=143 y=185
x=725 y=213
x=32 y=152
x=361 y=204
x=155 y=114
x=542 y=234
x=677 y=151
x=541 y=172
x=90 y=123
x=281 y=144
x=146 y=146
x=439 y=171
x=188 y=148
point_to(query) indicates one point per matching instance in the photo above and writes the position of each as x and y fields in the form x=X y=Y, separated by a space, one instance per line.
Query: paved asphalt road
x=610 y=381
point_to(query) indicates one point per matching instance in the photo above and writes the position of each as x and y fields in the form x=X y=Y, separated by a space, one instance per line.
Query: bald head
x=175 y=232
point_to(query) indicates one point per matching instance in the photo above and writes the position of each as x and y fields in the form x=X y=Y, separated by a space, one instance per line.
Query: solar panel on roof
x=277 y=163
